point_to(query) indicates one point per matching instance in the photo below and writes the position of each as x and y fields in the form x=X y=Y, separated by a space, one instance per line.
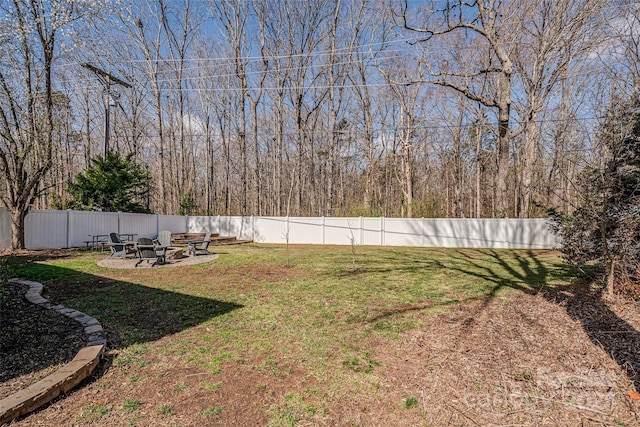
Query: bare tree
x=233 y=17
x=322 y=107
x=553 y=40
x=335 y=86
x=618 y=51
x=29 y=47
x=306 y=30
x=180 y=22
x=274 y=51
x=482 y=24
x=370 y=35
x=407 y=97
x=145 y=27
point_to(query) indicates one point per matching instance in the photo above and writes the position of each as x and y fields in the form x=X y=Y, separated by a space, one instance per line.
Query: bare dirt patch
x=241 y=275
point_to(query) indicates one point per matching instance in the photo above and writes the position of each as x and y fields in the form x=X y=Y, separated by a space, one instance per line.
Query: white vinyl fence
x=47 y=229
x=451 y=233
x=65 y=229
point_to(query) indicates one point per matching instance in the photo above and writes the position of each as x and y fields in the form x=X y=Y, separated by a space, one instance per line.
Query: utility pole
x=107 y=80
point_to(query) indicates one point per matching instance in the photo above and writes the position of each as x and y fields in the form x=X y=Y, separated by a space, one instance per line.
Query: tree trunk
x=407 y=171
x=257 y=210
x=278 y=190
x=611 y=278
x=18 y=215
x=298 y=166
x=478 y=173
x=528 y=164
x=504 y=109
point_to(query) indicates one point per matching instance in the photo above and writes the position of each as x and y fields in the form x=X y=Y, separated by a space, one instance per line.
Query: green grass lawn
x=251 y=301
x=256 y=292
x=249 y=307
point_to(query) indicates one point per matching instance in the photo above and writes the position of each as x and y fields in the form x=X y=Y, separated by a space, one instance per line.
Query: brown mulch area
x=33 y=341
x=519 y=361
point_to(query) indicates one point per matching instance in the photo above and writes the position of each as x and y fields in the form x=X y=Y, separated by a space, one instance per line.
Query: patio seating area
x=165 y=250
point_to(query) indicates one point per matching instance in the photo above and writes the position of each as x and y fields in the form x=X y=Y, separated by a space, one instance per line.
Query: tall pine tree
x=112 y=184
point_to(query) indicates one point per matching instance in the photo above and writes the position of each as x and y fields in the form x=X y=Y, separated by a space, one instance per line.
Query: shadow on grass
x=129 y=313
x=498 y=270
x=527 y=272
x=581 y=299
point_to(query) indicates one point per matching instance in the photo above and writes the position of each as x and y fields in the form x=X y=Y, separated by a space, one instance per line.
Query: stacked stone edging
x=65 y=378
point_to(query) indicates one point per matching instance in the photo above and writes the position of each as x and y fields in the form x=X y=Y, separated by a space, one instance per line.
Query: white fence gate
x=65 y=229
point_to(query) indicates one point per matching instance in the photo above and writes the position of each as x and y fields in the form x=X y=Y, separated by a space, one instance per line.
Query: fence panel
x=58 y=229
x=372 y=231
x=487 y=233
x=246 y=231
x=84 y=224
x=228 y=225
x=305 y=230
x=530 y=234
x=270 y=229
x=495 y=234
x=5 y=229
x=240 y=227
x=203 y=224
x=340 y=231
x=445 y=233
x=236 y=226
x=434 y=233
x=402 y=232
x=138 y=225
x=173 y=223
x=46 y=229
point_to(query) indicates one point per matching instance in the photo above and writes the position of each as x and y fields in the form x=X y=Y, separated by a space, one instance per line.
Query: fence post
x=361 y=231
x=322 y=230
x=381 y=231
x=68 y=227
